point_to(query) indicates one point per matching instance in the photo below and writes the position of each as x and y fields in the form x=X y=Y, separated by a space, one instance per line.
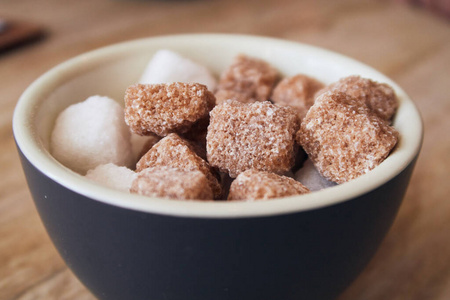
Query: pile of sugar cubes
x=183 y=134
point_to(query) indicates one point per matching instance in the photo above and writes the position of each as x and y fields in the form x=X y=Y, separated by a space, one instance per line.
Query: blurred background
x=407 y=40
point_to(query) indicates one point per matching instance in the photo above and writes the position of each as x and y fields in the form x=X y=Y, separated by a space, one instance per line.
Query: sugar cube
x=258 y=136
x=172 y=183
x=167 y=66
x=112 y=176
x=311 y=178
x=257 y=185
x=91 y=133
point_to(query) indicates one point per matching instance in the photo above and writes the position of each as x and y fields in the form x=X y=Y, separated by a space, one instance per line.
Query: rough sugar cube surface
x=297 y=92
x=167 y=66
x=172 y=183
x=91 y=133
x=166 y=108
x=379 y=97
x=251 y=76
x=256 y=185
x=344 y=138
x=175 y=152
x=251 y=136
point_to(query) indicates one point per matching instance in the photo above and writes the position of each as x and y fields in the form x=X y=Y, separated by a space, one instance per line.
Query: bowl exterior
x=120 y=253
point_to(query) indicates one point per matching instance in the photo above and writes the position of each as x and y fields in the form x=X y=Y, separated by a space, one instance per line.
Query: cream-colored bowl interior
x=109 y=71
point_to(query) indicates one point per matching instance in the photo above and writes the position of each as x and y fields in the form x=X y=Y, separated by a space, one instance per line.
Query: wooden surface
x=409 y=44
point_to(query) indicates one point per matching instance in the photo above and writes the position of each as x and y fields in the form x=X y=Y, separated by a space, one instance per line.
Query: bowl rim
x=28 y=143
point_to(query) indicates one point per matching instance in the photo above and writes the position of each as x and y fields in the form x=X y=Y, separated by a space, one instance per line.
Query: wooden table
x=409 y=44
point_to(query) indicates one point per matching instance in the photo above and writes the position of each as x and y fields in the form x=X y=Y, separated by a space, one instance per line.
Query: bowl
x=126 y=246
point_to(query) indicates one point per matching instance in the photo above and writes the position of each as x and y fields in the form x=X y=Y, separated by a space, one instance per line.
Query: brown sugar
x=255 y=185
x=224 y=95
x=173 y=151
x=257 y=136
x=172 y=183
x=379 y=97
x=344 y=138
x=166 y=108
x=152 y=140
x=250 y=76
x=297 y=92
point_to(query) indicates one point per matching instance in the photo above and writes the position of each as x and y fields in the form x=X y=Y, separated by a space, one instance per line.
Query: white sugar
x=112 y=176
x=167 y=66
x=311 y=178
x=91 y=133
x=137 y=145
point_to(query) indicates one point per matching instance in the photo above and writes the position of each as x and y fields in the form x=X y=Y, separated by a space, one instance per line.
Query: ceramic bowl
x=124 y=246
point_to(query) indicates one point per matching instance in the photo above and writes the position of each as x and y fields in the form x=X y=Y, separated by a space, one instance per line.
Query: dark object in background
x=14 y=34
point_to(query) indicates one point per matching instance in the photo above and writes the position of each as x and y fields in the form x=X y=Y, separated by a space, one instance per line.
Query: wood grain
x=409 y=44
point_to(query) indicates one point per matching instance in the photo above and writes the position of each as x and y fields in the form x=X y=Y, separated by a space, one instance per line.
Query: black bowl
x=124 y=246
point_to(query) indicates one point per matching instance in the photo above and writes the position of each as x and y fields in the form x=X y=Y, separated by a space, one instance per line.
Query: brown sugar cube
x=224 y=95
x=251 y=76
x=140 y=144
x=152 y=140
x=172 y=183
x=379 y=97
x=166 y=108
x=344 y=138
x=258 y=136
x=297 y=92
x=173 y=151
x=256 y=185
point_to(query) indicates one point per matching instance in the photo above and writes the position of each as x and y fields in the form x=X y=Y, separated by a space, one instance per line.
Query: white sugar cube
x=91 y=133
x=167 y=66
x=311 y=178
x=137 y=144
x=112 y=176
